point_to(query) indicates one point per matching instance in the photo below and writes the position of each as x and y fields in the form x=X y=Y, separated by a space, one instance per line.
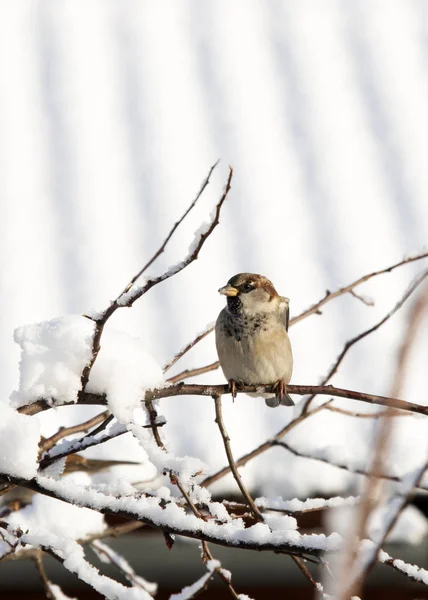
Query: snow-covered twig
x=196 y=588
x=173 y=229
x=172 y=518
x=107 y=555
x=344 y=466
x=131 y=294
x=411 y=571
x=63 y=432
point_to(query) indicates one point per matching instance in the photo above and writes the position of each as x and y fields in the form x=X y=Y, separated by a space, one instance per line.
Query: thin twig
x=372 y=493
x=46 y=583
x=188 y=347
x=63 y=432
x=188 y=373
x=366 y=301
x=304 y=569
x=357 y=471
x=344 y=290
x=262 y=447
x=226 y=441
x=375 y=415
x=333 y=370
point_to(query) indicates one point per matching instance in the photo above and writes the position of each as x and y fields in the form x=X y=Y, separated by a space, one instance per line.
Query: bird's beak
x=228 y=290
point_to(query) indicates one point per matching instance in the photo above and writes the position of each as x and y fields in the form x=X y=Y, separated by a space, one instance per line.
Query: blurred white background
x=111 y=114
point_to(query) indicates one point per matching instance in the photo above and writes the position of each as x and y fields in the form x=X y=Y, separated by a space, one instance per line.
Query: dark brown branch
x=189 y=389
x=237 y=476
x=63 y=432
x=344 y=290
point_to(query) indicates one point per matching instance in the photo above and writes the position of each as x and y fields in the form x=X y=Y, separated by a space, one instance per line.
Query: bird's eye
x=247 y=287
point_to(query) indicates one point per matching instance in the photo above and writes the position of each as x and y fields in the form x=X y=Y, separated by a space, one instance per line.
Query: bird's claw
x=279 y=388
x=233 y=387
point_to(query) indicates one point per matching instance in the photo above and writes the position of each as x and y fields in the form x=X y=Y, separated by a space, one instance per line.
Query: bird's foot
x=233 y=386
x=279 y=388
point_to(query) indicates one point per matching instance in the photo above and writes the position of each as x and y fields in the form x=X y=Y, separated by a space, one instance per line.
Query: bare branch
x=188 y=389
x=413 y=286
x=189 y=346
x=187 y=373
x=262 y=447
x=363 y=299
x=376 y=415
x=226 y=441
x=46 y=583
x=344 y=290
x=63 y=432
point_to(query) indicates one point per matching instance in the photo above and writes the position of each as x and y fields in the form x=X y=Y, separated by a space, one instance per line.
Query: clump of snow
x=54 y=354
x=186 y=468
x=280 y=522
x=296 y=505
x=19 y=443
x=57 y=517
x=122 y=371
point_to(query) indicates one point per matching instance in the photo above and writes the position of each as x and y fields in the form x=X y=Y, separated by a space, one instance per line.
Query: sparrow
x=251 y=336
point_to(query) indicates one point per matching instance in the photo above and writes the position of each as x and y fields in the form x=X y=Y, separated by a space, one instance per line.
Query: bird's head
x=250 y=293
